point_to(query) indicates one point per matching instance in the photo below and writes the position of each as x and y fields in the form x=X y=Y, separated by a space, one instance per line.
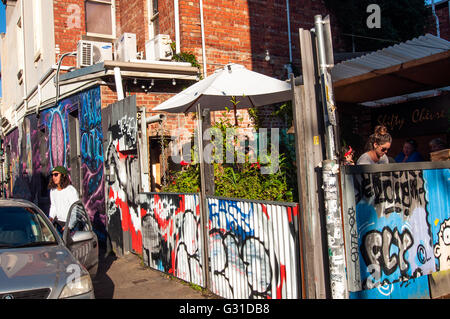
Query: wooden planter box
x=443 y=155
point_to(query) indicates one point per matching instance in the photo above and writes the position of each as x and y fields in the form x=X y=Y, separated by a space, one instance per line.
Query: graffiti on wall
x=253 y=249
x=172 y=236
x=123 y=180
x=41 y=143
x=26 y=163
x=400 y=227
x=91 y=146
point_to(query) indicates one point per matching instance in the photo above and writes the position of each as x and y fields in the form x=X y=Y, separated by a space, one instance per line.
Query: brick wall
x=241 y=31
x=444 y=22
x=69 y=18
x=238 y=31
x=134 y=19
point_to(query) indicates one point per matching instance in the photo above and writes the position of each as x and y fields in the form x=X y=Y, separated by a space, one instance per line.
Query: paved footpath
x=126 y=277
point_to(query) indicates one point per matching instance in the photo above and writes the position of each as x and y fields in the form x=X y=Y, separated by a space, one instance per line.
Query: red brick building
x=244 y=32
x=443 y=16
x=260 y=34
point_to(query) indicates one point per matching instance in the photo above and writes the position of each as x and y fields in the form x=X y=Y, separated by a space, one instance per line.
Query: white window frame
x=37 y=29
x=151 y=17
x=113 y=20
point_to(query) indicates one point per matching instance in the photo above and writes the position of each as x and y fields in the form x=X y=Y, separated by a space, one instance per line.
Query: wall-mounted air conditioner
x=158 y=48
x=92 y=52
x=125 y=47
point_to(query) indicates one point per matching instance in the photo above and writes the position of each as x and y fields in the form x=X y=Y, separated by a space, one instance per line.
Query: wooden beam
x=309 y=157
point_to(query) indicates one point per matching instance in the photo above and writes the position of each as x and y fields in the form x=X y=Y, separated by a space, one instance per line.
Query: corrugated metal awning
x=415 y=65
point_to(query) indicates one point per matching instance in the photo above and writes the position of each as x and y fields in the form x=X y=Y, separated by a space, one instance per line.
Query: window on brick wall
x=100 y=18
x=153 y=23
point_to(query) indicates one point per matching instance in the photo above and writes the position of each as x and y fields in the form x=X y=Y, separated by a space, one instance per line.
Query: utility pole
x=330 y=166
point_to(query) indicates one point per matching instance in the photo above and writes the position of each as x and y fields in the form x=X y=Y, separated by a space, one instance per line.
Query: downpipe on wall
x=177 y=26
x=330 y=166
x=119 y=86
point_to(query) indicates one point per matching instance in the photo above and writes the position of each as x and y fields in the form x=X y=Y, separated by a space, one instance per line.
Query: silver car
x=36 y=262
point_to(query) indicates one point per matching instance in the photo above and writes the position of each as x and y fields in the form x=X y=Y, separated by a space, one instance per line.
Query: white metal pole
x=330 y=171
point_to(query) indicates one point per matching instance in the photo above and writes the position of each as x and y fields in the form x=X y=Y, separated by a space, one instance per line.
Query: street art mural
x=26 y=163
x=398 y=231
x=122 y=180
x=172 y=235
x=42 y=142
x=253 y=249
x=92 y=162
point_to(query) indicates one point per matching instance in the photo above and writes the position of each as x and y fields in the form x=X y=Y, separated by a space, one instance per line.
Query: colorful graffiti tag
x=123 y=180
x=41 y=143
x=400 y=230
x=172 y=236
x=253 y=249
x=91 y=137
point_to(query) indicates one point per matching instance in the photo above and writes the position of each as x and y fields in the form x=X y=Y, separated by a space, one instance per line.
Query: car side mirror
x=80 y=236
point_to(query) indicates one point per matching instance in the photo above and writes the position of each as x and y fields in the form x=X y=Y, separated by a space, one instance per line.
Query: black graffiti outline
x=400 y=189
x=354 y=249
x=165 y=249
x=378 y=254
x=240 y=245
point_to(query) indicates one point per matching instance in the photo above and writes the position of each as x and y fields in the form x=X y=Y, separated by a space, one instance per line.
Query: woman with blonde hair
x=377 y=146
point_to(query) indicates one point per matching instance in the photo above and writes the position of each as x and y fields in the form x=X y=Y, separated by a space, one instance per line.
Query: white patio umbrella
x=249 y=88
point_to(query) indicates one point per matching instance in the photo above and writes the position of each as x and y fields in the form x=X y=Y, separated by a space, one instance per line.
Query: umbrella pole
x=203 y=203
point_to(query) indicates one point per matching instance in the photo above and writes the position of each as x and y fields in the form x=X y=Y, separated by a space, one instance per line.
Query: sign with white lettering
x=420 y=117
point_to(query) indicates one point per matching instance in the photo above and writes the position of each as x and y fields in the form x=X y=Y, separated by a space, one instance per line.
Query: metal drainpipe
x=177 y=26
x=330 y=171
x=24 y=75
x=203 y=39
x=289 y=31
x=119 y=86
x=433 y=8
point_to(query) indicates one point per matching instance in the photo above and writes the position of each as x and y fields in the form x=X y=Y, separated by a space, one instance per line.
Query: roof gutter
x=155 y=70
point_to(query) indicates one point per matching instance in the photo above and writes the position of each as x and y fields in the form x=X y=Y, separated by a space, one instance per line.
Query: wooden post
x=208 y=167
x=203 y=203
x=309 y=158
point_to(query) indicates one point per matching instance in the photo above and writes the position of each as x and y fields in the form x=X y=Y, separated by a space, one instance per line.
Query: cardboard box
x=443 y=155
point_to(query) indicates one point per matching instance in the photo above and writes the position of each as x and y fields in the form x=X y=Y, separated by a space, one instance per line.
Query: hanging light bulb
x=135 y=81
x=174 y=82
x=153 y=82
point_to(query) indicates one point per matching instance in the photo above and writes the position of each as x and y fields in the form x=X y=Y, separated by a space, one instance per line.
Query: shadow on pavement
x=103 y=285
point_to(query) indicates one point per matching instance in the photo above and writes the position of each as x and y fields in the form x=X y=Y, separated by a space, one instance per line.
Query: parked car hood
x=34 y=268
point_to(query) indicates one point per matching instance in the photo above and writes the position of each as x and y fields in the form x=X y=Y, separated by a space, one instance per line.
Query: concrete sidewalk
x=128 y=278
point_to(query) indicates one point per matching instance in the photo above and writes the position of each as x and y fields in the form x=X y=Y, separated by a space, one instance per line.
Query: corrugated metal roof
x=414 y=49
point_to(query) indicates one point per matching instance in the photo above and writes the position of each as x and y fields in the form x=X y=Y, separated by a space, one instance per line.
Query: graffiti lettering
x=391 y=192
x=244 y=242
x=128 y=129
x=353 y=234
x=377 y=252
x=171 y=235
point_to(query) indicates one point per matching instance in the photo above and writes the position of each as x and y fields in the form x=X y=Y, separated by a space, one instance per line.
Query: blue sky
x=2 y=29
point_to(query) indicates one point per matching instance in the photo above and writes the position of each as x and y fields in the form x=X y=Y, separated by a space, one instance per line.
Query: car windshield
x=23 y=227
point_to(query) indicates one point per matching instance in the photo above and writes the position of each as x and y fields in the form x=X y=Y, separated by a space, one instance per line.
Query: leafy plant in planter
x=238 y=180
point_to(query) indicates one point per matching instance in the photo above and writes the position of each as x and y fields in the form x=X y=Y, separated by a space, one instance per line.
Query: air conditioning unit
x=159 y=48
x=125 y=47
x=92 y=52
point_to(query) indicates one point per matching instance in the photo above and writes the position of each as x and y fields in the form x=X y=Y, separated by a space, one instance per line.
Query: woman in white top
x=378 y=145
x=62 y=195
